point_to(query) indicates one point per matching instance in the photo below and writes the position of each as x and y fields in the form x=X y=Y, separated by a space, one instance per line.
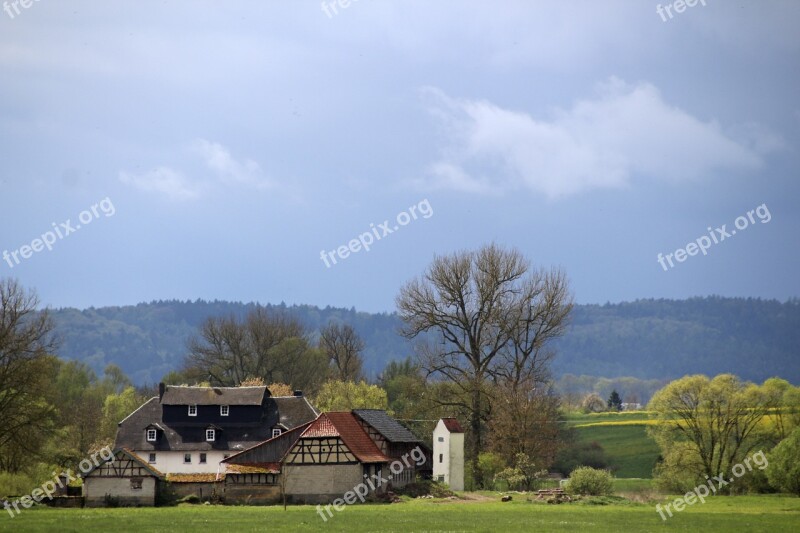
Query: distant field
x=623 y=436
x=744 y=513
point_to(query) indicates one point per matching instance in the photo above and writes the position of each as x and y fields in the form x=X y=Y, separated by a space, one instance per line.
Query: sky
x=323 y=153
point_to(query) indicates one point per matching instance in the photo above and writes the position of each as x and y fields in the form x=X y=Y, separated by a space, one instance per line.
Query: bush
x=191 y=498
x=783 y=470
x=489 y=464
x=424 y=488
x=588 y=481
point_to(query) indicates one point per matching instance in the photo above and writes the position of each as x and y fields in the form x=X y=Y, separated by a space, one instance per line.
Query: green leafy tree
x=783 y=470
x=346 y=395
x=718 y=421
x=784 y=403
x=115 y=408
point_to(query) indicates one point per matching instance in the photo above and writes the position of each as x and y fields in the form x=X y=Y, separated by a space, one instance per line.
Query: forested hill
x=752 y=338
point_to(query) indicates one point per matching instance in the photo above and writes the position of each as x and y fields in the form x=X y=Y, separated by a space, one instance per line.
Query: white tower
x=448 y=453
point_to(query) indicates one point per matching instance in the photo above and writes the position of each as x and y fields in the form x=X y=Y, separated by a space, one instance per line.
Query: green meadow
x=630 y=451
x=480 y=513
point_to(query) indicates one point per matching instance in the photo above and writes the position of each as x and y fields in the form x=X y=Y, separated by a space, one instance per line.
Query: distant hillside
x=755 y=339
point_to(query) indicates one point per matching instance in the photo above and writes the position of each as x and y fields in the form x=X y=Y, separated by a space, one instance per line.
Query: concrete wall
x=96 y=488
x=321 y=483
x=456 y=461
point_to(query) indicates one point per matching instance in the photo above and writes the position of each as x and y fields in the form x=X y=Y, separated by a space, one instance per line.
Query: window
x=276 y=432
x=187 y=458
x=210 y=435
x=441 y=457
x=192 y=410
x=441 y=439
x=136 y=483
x=224 y=410
x=202 y=458
x=152 y=458
x=152 y=435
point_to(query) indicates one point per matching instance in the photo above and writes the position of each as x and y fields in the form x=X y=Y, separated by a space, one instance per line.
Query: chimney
x=298 y=394
x=161 y=389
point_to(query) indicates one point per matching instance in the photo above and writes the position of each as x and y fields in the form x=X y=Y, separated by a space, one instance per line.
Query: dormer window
x=224 y=410
x=192 y=410
x=211 y=435
x=152 y=435
x=276 y=432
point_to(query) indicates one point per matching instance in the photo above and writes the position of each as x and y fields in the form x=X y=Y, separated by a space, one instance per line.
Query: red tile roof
x=321 y=427
x=356 y=438
x=452 y=425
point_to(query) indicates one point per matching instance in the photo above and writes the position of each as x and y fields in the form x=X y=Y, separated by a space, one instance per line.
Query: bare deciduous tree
x=272 y=347
x=343 y=347
x=494 y=316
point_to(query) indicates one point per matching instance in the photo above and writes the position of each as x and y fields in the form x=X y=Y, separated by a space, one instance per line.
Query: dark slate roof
x=174 y=395
x=285 y=411
x=387 y=426
x=271 y=451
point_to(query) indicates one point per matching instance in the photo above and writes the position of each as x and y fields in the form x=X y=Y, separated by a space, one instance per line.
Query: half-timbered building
x=126 y=479
x=314 y=463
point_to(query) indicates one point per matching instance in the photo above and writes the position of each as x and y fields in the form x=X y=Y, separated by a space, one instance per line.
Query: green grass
x=744 y=513
x=629 y=449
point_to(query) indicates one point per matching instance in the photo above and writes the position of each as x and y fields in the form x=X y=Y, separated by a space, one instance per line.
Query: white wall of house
x=172 y=462
x=448 y=456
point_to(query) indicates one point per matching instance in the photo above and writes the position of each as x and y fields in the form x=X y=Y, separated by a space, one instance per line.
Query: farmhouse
x=320 y=461
x=185 y=432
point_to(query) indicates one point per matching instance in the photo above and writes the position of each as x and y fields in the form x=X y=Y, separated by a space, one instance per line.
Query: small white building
x=448 y=453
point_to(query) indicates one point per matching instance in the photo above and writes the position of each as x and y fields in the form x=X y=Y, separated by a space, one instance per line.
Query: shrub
x=489 y=464
x=191 y=498
x=783 y=470
x=589 y=481
x=425 y=487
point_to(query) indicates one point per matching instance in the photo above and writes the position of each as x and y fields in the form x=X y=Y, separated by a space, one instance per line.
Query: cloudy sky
x=177 y=149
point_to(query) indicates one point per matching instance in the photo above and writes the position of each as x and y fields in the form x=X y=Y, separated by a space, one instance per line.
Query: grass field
x=743 y=513
x=623 y=437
